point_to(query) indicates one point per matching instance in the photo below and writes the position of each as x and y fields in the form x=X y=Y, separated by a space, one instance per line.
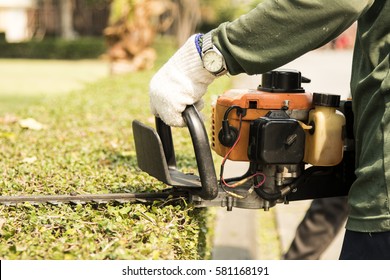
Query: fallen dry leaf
x=8 y=119
x=29 y=159
x=31 y=123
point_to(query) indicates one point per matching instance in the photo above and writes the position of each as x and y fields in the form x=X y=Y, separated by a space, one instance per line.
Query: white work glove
x=180 y=82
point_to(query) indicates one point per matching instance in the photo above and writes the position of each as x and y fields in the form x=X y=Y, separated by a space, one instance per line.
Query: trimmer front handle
x=156 y=155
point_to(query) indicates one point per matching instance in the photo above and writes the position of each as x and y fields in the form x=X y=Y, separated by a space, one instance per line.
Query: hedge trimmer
x=298 y=145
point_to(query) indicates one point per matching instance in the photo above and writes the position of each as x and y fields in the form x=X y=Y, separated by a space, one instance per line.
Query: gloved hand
x=180 y=82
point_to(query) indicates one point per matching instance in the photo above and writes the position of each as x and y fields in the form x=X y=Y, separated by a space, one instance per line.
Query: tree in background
x=67 y=30
x=133 y=25
x=187 y=20
x=68 y=19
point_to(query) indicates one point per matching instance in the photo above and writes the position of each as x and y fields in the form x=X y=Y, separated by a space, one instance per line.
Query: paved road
x=329 y=72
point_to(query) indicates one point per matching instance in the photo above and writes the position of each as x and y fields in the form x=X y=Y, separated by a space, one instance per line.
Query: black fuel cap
x=283 y=81
x=325 y=99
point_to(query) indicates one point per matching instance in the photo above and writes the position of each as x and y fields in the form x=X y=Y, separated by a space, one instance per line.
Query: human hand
x=180 y=82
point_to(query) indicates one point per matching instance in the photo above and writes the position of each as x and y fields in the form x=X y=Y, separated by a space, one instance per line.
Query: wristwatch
x=212 y=58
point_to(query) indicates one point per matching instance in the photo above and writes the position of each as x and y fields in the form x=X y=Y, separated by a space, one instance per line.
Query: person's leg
x=366 y=246
x=323 y=220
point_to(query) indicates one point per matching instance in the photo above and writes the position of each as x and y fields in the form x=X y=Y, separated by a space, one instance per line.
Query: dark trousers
x=323 y=220
x=366 y=246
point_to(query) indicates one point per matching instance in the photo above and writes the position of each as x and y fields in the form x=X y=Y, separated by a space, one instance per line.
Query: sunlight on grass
x=42 y=77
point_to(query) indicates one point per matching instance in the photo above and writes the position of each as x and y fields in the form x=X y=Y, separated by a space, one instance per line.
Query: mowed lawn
x=85 y=145
x=32 y=77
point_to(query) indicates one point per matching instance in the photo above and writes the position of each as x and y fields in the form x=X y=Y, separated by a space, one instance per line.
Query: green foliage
x=87 y=147
x=54 y=48
x=214 y=12
x=101 y=232
x=118 y=10
x=94 y=3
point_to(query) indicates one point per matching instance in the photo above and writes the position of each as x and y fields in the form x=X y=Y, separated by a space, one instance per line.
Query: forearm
x=277 y=32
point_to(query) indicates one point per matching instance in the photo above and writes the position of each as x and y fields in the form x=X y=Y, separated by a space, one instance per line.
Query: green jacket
x=279 y=31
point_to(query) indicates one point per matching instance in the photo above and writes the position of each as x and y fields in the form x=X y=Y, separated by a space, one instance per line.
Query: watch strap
x=207 y=42
x=199 y=43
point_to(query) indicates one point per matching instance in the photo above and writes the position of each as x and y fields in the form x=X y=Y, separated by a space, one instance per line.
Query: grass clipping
x=86 y=145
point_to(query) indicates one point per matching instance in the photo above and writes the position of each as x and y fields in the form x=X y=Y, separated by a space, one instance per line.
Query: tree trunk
x=67 y=30
x=132 y=30
x=188 y=19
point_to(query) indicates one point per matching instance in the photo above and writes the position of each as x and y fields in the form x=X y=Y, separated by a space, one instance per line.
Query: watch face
x=212 y=61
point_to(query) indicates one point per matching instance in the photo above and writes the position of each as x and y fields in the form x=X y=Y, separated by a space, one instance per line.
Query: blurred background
x=121 y=31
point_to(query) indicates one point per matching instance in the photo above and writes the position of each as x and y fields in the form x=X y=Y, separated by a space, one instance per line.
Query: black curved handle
x=203 y=154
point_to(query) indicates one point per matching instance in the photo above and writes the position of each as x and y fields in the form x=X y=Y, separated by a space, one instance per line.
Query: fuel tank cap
x=326 y=100
x=283 y=80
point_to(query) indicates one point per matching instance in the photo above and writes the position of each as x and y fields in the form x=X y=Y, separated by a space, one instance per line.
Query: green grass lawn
x=28 y=82
x=86 y=146
x=37 y=77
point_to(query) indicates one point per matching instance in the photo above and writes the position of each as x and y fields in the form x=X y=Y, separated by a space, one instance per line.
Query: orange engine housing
x=257 y=104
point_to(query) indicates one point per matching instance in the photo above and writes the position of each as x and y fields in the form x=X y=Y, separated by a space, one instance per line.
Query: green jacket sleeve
x=279 y=31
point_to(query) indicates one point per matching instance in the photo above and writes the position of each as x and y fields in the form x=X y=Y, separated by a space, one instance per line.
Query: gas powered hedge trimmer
x=298 y=146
